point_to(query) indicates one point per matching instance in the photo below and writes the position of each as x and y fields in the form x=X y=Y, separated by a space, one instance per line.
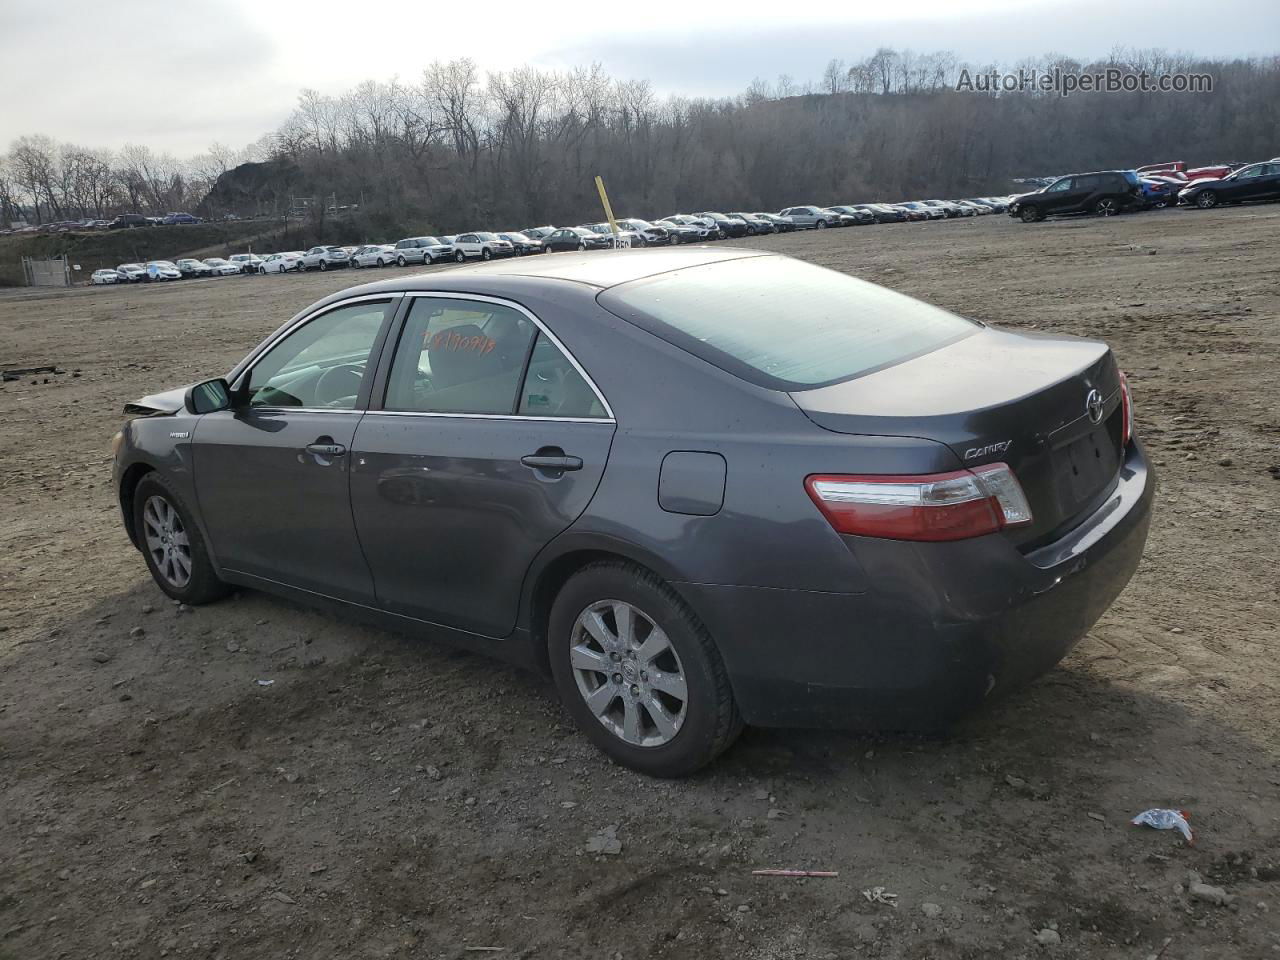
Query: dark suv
x=129 y=220
x=1103 y=193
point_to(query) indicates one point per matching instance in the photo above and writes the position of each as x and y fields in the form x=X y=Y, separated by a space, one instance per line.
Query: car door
x=1057 y=197
x=1269 y=182
x=1248 y=184
x=490 y=441
x=272 y=473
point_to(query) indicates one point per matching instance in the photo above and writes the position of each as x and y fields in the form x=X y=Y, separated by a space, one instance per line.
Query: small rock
x=605 y=842
x=931 y=910
x=568 y=804
x=137 y=633
x=148 y=608
x=101 y=657
x=1210 y=894
x=64 y=874
x=317 y=868
x=433 y=773
x=1225 y=462
x=126 y=697
x=1097 y=816
x=470 y=801
x=233 y=646
x=1048 y=938
x=776 y=814
x=283 y=897
x=1175 y=630
x=722 y=892
x=744 y=908
x=761 y=794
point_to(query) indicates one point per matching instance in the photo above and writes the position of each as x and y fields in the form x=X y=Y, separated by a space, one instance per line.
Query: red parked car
x=1177 y=165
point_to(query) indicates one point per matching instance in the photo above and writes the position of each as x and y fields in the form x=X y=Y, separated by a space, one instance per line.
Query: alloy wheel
x=167 y=541
x=1206 y=199
x=628 y=673
x=1105 y=207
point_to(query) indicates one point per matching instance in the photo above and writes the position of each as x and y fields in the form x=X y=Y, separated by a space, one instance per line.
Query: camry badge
x=1093 y=406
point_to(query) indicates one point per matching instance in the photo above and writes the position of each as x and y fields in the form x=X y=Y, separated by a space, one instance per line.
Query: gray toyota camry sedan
x=699 y=488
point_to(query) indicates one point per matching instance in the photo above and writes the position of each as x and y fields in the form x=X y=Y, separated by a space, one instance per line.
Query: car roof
x=598 y=269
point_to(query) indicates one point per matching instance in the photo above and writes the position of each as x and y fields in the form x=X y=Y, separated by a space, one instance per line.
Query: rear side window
x=553 y=387
x=782 y=323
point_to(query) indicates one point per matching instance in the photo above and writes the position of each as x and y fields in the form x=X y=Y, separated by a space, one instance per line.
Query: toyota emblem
x=1093 y=406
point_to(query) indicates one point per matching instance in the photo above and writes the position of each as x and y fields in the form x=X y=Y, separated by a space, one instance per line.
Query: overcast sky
x=178 y=76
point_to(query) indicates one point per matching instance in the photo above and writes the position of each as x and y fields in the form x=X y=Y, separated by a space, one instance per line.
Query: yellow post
x=608 y=210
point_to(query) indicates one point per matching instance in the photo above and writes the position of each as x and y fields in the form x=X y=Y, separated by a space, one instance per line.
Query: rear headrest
x=461 y=354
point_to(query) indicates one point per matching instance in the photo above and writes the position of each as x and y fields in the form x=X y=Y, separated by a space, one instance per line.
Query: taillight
x=935 y=507
x=1126 y=412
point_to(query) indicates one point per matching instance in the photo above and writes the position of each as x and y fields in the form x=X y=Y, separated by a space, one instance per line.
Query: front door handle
x=539 y=461
x=326 y=449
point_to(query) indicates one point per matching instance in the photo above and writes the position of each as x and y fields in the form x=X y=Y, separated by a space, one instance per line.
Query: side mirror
x=208 y=397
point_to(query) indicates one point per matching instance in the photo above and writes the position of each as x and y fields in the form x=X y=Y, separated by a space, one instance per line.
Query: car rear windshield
x=782 y=323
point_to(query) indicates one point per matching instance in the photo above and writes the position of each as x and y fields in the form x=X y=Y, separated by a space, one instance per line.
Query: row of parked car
x=485 y=245
x=1105 y=192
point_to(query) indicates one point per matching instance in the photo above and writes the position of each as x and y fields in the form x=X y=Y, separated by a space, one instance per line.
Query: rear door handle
x=538 y=462
x=326 y=449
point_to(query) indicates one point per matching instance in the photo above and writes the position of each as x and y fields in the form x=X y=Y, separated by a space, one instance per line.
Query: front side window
x=782 y=323
x=321 y=364
x=1063 y=184
x=459 y=356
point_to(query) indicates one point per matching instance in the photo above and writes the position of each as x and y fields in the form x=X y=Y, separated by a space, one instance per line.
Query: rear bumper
x=943 y=627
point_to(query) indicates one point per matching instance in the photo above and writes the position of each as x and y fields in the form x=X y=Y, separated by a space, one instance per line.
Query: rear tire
x=155 y=501
x=1106 y=207
x=685 y=680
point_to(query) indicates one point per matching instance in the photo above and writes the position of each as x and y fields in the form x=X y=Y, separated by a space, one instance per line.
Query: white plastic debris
x=265 y=683
x=1163 y=819
x=881 y=895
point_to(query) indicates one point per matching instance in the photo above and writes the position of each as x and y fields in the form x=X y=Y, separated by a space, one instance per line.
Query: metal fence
x=46 y=273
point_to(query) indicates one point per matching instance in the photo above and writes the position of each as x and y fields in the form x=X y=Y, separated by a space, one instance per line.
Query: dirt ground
x=387 y=798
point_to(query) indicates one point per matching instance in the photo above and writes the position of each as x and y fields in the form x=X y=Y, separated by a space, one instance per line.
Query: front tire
x=1029 y=214
x=460 y=257
x=820 y=225
x=324 y=265
x=1206 y=200
x=486 y=254
x=172 y=544
x=638 y=672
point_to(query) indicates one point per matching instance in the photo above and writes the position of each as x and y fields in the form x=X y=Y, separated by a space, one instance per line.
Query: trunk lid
x=997 y=396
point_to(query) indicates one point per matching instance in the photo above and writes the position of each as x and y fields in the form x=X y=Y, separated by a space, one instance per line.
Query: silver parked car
x=374 y=255
x=422 y=250
x=810 y=218
x=481 y=246
x=324 y=258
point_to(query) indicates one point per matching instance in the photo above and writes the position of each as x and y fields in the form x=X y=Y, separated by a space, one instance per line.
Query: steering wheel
x=339 y=383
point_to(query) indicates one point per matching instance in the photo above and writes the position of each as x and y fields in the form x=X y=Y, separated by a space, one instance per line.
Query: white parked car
x=247 y=262
x=106 y=276
x=422 y=250
x=163 y=270
x=222 y=268
x=481 y=246
x=281 y=262
x=132 y=272
x=323 y=258
x=373 y=255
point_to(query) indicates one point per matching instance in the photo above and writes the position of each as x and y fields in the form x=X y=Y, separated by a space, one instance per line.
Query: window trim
x=376 y=404
x=390 y=301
